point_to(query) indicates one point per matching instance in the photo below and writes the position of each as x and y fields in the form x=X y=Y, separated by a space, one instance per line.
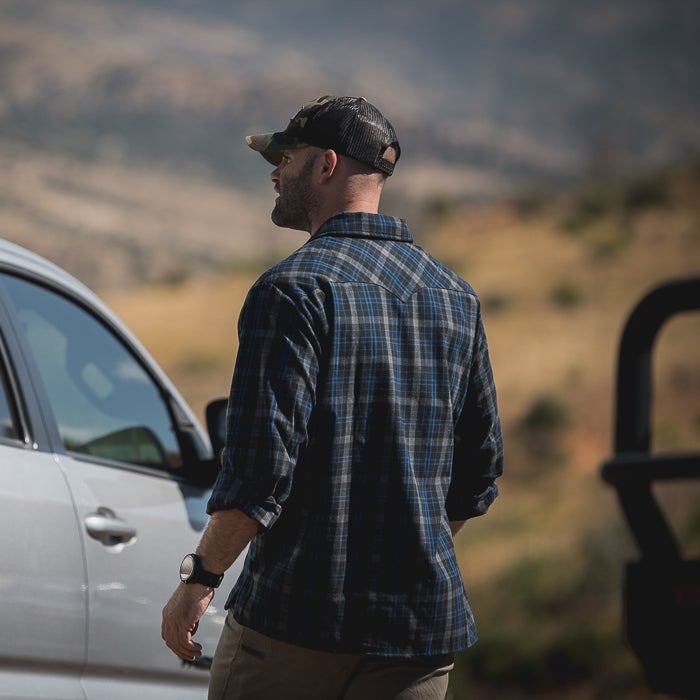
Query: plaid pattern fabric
x=362 y=419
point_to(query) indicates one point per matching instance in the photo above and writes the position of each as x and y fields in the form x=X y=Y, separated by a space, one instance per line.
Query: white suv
x=104 y=478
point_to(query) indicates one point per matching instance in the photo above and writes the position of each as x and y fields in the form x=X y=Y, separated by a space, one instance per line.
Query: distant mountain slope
x=487 y=98
x=512 y=89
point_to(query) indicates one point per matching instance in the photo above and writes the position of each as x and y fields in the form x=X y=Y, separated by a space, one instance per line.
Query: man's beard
x=297 y=200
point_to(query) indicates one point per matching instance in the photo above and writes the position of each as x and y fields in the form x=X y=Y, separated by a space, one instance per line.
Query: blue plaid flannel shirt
x=362 y=419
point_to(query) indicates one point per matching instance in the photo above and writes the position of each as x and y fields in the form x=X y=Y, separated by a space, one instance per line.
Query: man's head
x=350 y=126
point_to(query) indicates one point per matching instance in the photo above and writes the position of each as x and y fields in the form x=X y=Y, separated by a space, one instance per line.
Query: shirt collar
x=365 y=225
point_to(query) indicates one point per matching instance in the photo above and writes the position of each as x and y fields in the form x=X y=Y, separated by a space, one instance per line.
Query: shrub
x=540 y=431
x=175 y=277
x=495 y=303
x=645 y=193
x=566 y=295
x=440 y=208
x=610 y=240
x=587 y=209
x=543 y=626
x=546 y=413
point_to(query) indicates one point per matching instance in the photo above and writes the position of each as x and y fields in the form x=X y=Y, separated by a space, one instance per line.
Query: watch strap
x=206 y=578
x=200 y=575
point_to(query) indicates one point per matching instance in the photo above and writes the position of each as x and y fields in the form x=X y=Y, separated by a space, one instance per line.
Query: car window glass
x=104 y=402
x=8 y=424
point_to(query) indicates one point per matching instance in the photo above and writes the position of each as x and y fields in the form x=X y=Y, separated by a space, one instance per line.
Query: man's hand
x=181 y=617
x=225 y=537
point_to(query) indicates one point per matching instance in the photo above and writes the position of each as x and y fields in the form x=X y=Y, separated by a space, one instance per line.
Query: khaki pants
x=250 y=666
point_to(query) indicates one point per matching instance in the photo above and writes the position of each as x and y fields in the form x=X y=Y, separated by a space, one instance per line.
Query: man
x=362 y=433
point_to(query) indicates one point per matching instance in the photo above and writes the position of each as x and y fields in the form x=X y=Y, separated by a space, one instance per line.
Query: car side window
x=105 y=403
x=9 y=429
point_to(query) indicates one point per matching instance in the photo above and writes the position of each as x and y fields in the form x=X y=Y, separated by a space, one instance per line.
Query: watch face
x=187 y=568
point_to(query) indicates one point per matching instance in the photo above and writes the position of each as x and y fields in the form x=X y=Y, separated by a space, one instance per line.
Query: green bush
x=199 y=364
x=567 y=295
x=545 y=413
x=544 y=624
x=587 y=209
x=535 y=663
x=439 y=209
x=495 y=303
x=646 y=193
x=540 y=432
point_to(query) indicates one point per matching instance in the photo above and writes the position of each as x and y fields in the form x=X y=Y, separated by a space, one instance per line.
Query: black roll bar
x=661 y=592
x=632 y=469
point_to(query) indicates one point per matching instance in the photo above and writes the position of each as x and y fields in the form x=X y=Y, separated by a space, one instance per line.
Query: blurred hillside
x=122 y=123
x=557 y=274
x=550 y=155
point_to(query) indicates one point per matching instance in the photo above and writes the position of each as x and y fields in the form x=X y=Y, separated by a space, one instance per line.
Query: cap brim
x=270 y=146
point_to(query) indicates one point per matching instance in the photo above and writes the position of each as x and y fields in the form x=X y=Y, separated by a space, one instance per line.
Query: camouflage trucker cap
x=350 y=126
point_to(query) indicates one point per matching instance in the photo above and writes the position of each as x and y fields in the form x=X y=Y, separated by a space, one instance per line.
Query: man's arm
x=226 y=536
x=272 y=395
x=478 y=450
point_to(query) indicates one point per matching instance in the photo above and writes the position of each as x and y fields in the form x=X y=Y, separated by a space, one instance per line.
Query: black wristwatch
x=192 y=571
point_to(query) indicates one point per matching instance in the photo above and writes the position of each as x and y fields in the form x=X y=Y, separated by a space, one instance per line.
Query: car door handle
x=106 y=527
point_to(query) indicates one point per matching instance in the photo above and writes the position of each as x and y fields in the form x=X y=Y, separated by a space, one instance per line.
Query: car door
x=43 y=593
x=125 y=460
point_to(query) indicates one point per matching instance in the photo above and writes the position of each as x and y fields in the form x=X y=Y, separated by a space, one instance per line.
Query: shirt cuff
x=232 y=492
x=474 y=507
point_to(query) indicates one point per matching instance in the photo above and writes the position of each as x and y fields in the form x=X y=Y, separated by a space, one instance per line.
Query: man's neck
x=367 y=206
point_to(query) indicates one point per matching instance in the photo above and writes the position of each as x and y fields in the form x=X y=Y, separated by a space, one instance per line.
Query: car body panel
x=93 y=543
x=126 y=579
x=20 y=683
x=43 y=588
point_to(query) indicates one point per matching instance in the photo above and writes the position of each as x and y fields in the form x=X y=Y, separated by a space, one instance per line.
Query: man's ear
x=328 y=163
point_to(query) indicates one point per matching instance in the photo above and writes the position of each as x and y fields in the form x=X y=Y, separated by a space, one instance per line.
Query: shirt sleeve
x=272 y=395
x=478 y=450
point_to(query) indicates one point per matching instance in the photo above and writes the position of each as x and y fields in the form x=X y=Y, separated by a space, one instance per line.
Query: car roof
x=20 y=258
